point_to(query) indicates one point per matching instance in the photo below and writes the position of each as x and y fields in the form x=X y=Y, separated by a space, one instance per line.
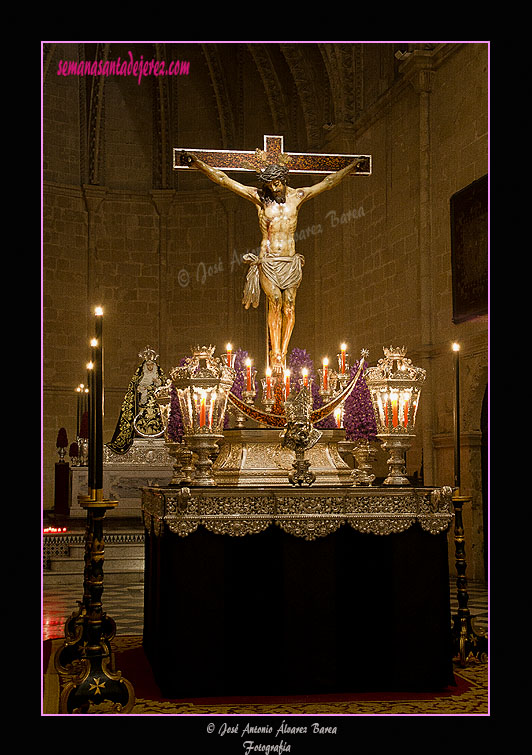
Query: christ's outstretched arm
x=328 y=182
x=221 y=178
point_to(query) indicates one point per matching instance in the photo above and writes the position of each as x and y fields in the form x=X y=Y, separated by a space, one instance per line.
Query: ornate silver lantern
x=395 y=386
x=203 y=383
x=178 y=450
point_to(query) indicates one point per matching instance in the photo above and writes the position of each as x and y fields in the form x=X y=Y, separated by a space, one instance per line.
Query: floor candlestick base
x=86 y=655
x=467 y=644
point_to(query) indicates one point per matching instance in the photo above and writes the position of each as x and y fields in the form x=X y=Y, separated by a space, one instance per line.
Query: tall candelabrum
x=86 y=654
x=203 y=383
x=468 y=644
x=81 y=459
x=395 y=386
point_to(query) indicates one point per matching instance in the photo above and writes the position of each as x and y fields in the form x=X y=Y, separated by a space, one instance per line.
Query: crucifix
x=277 y=270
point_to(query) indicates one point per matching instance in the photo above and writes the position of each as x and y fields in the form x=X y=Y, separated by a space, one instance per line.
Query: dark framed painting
x=469 y=251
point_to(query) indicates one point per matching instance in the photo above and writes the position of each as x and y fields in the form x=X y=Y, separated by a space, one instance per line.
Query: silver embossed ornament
x=395 y=386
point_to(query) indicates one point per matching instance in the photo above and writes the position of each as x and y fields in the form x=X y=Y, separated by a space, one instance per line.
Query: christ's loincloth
x=283 y=272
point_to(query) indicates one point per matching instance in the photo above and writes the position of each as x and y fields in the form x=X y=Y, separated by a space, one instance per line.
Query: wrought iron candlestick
x=467 y=643
x=86 y=652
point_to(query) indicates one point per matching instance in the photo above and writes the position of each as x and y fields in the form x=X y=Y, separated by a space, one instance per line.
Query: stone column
x=162 y=200
x=93 y=197
x=417 y=69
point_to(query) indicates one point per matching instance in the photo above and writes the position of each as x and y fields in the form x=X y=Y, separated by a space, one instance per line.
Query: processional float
x=200 y=389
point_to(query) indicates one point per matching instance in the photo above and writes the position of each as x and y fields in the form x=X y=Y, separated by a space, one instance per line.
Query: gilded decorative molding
x=310 y=514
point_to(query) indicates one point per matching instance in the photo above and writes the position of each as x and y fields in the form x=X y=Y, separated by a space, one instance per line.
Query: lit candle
x=343 y=347
x=211 y=408
x=406 y=405
x=338 y=416
x=325 y=373
x=248 y=374
x=202 y=412
x=305 y=377
x=456 y=349
x=287 y=382
x=395 y=417
x=98 y=403
x=78 y=413
x=268 y=383
x=229 y=354
x=90 y=403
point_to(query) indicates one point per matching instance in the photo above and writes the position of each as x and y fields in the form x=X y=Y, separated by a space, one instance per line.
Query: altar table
x=297 y=591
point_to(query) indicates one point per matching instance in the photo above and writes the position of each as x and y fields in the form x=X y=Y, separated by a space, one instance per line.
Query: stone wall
x=165 y=259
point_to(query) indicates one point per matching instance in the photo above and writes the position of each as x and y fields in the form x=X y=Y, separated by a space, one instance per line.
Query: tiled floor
x=124 y=603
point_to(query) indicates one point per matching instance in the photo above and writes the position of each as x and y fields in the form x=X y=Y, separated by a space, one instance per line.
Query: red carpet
x=468 y=695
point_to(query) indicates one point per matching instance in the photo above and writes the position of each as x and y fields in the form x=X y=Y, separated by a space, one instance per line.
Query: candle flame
x=304 y=371
x=268 y=371
x=325 y=362
x=94 y=342
x=90 y=365
x=98 y=311
x=229 y=347
x=343 y=347
x=456 y=347
x=248 y=362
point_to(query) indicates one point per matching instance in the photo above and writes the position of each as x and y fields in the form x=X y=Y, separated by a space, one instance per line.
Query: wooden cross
x=300 y=162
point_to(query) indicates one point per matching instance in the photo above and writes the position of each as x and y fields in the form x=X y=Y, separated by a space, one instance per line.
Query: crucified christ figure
x=278 y=268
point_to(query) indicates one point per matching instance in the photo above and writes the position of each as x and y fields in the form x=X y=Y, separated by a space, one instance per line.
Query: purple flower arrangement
x=359 y=417
x=175 y=430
